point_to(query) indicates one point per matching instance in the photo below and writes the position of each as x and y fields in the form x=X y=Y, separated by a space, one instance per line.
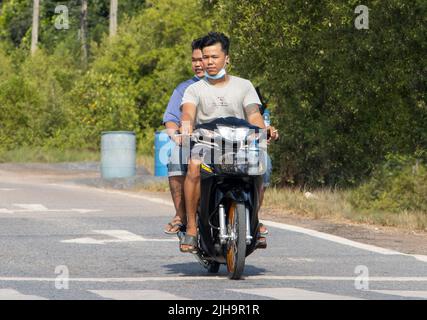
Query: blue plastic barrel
x=118 y=154
x=162 y=150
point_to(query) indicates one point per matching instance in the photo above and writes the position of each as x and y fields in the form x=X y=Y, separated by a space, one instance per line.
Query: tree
x=113 y=17
x=343 y=98
x=83 y=33
x=15 y=21
x=35 y=28
x=132 y=78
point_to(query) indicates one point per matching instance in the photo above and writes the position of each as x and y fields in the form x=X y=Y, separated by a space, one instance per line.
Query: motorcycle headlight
x=233 y=133
x=208 y=133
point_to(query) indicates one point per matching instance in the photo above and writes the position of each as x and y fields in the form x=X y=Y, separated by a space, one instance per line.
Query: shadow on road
x=195 y=269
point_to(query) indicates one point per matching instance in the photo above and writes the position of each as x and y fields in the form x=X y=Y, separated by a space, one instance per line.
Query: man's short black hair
x=196 y=44
x=216 y=37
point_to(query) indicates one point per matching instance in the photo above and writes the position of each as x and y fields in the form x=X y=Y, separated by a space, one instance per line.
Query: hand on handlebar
x=186 y=129
x=272 y=134
x=177 y=138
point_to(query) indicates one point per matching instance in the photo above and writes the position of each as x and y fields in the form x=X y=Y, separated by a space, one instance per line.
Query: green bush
x=400 y=184
x=5 y=66
x=32 y=100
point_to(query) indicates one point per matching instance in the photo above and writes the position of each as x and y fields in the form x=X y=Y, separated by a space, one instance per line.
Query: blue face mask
x=219 y=75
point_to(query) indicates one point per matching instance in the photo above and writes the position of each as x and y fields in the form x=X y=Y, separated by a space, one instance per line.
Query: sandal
x=174 y=226
x=264 y=232
x=190 y=241
x=261 y=243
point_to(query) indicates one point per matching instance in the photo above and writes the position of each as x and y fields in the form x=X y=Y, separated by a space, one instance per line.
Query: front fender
x=238 y=196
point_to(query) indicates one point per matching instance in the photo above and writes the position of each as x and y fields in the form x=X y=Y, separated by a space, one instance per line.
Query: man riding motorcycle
x=217 y=95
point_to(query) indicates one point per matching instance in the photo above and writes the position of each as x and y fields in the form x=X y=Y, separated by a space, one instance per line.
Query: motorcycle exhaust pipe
x=222 y=228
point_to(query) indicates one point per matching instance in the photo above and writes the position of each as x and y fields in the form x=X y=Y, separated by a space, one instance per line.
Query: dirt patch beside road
x=405 y=241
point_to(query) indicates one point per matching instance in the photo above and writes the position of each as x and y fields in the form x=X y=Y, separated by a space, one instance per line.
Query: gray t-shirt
x=216 y=102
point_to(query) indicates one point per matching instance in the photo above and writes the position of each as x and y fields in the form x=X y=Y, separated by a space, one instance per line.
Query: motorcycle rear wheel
x=236 y=248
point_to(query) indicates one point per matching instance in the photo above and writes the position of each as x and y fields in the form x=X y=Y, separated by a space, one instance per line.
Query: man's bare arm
x=254 y=116
x=171 y=128
x=187 y=118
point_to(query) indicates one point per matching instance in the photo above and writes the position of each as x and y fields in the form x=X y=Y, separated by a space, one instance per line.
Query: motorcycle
x=231 y=182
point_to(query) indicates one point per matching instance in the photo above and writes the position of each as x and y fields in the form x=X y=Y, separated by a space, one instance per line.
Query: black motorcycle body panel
x=217 y=189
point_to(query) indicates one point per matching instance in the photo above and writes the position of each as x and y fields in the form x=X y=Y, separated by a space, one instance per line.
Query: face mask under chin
x=221 y=74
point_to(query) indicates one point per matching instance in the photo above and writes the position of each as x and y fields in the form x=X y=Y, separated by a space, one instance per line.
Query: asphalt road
x=64 y=241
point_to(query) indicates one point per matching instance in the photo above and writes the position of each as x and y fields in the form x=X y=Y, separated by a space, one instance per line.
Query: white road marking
x=127 y=194
x=293 y=294
x=7 y=189
x=36 y=207
x=84 y=241
x=123 y=235
x=78 y=210
x=10 y=294
x=136 y=295
x=224 y=278
x=407 y=294
x=31 y=207
x=340 y=240
x=301 y=259
x=120 y=236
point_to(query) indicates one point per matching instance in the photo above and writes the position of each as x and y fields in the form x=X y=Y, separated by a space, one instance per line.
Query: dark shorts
x=178 y=161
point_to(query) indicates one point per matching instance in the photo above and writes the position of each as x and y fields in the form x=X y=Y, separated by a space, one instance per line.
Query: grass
x=154 y=186
x=146 y=161
x=335 y=205
x=43 y=155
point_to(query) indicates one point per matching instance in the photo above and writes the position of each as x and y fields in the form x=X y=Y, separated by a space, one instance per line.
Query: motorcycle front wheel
x=236 y=246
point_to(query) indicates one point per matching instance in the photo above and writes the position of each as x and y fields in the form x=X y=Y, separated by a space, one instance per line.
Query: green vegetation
x=338 y=205
x=343 y=98
x=398 y=185
x=50 y=101
x=47 y=155
x=350 y=104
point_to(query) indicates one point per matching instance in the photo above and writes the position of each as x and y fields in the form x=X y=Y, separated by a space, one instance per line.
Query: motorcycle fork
x=223 y=234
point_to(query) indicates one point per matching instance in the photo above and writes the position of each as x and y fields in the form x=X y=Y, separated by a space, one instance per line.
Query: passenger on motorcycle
x=178 y=161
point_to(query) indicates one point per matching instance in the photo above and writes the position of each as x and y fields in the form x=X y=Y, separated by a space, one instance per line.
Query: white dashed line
x=120 y=236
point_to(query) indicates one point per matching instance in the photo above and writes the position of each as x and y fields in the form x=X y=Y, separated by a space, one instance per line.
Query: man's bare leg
x=176 y=186
x=262 y=229
x=192 y=196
